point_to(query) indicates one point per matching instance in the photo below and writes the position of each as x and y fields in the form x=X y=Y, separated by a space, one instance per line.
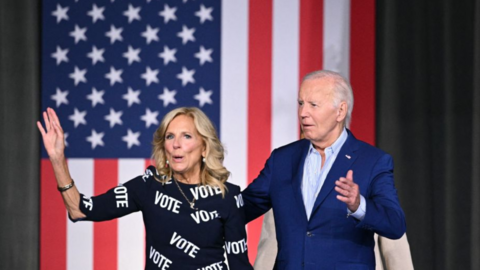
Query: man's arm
x=257 y=195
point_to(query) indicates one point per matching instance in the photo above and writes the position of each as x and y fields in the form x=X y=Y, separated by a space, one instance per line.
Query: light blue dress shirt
x=314 y=176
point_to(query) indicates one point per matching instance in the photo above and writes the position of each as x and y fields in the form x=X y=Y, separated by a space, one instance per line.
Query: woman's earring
x=166 y=163
x=203 y=160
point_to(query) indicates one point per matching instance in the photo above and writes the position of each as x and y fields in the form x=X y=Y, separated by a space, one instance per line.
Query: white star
x=203 y=97
x=168 y=13
x=131 y=138
x=186 y=76
x=204 y=55
x=96 y=97
x=78 y=117
x=150 y=118
x=132 y=55
x=96 y=139
x=96 y=55
x=60 y=13
x=186 y=34
x=78 y=75
x=168 y=55
x=96 y=13
x=60 y=55
x=79 y=34
x=204 y=13
x=168 y=97
x=114 y=34
x=114 y=76
x=132 y=13
x=60 y=97
x=65 y=136
x=132 y=96
x=150 y=76
x=150 y=34
x=114 y=117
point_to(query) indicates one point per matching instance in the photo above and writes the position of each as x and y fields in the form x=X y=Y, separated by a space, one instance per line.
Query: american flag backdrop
x=112 y=68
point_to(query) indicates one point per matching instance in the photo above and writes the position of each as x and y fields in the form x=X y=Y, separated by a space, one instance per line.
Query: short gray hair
x=342 y=90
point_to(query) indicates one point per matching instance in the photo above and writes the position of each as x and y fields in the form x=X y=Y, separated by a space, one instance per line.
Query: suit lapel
x=298 y=164
x=345 y=158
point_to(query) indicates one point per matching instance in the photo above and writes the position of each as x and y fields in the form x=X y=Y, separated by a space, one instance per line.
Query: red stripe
x=53 y=222
x=105 y=233
x=362 y=68
x=259 y=99
x=311 y=36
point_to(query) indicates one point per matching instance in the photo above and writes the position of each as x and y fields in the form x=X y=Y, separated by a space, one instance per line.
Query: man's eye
x=300 y=103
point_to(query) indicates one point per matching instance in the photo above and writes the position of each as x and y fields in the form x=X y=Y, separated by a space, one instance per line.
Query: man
x=329 y=192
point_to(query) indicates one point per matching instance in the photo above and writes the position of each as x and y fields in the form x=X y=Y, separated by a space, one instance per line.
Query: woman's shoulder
x=232 y=188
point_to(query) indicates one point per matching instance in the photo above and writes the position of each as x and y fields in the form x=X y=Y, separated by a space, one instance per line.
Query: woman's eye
x=188 y=136
x=169 y=137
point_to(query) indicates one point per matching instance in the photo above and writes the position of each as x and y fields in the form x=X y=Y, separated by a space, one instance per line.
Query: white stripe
x=131 y=231
x=80 y=234
x=285 y=71
x=234 y=91
x=336 y=36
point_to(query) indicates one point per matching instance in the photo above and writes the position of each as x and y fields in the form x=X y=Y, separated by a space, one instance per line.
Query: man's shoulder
x=366 y=147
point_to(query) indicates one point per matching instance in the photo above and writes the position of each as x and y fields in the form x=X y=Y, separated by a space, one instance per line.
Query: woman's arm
x=54 y=142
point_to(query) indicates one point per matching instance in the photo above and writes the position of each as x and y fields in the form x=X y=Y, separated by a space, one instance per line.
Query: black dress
x=177 y=236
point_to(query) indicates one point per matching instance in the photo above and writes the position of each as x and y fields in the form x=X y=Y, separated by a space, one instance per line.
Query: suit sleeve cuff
x=362 y=209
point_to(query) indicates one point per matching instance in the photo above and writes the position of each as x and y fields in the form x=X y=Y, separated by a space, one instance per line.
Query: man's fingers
x=350 y=175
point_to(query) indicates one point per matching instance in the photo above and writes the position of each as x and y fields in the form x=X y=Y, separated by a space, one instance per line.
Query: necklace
x=192 y=203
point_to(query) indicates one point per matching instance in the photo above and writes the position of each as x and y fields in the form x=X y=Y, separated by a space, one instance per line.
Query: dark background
x=428 y=118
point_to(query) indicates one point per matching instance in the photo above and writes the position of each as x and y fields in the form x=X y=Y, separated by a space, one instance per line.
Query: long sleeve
x=116 y=202
x=235 y=234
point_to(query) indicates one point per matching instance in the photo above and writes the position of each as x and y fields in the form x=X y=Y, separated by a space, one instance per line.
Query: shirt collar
x=335 y=147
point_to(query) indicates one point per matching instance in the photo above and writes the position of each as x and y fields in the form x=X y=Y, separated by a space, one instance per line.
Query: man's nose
x=302 y=111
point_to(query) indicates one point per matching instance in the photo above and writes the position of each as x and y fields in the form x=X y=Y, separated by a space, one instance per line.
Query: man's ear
x=342 y=111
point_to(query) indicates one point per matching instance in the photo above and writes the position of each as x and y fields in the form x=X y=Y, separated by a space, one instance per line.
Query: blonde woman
x=189 y=210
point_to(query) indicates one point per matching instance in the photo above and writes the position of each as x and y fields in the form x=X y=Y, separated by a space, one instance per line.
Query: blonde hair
x=212 y=171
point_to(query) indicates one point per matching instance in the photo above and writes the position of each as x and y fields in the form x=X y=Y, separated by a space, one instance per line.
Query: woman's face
x=184 y=148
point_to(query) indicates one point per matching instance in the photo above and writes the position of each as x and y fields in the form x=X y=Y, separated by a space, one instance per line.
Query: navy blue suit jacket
x=329 y=240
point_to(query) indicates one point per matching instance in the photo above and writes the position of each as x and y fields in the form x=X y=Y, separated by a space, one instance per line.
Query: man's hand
x=348 y=191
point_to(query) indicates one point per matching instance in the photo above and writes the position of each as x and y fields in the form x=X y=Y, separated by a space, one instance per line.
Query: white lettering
x=236 y=247
x=239 y=200
x=146 y=175
x=205 y=191
x=182 y=243
x=204 y=216
x=213 y=266
x=88 y=203
x=121 y=196
x=167 y=202
x=158 y=259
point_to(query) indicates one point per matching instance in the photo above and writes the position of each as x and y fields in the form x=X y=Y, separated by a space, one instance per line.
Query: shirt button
x=309 y=234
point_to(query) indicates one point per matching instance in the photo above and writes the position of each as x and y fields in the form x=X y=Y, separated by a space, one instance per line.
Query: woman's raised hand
x=53 y=138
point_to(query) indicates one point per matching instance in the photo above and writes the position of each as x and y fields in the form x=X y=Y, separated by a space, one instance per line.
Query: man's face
x=320 y=120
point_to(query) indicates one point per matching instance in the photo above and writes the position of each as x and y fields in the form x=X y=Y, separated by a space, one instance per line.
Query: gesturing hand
x=53 y=139
x=348 y=191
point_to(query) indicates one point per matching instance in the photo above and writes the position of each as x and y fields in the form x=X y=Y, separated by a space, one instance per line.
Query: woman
x=189 y=210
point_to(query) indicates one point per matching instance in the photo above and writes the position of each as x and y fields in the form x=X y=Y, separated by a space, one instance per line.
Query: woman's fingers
x=54 y=117
x=47 y=121
x=40 y=128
